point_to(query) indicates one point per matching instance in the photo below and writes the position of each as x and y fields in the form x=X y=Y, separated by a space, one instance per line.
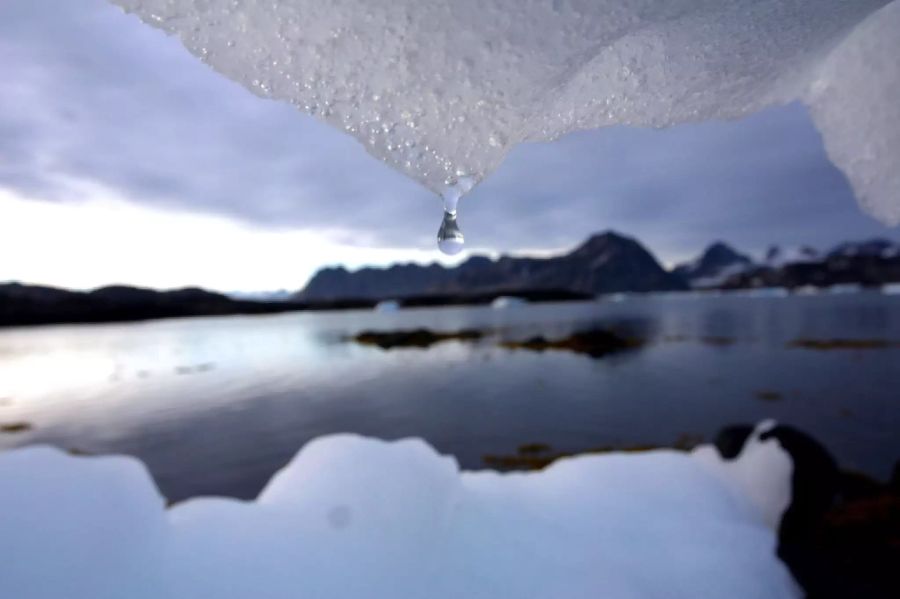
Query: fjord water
x=216 y=405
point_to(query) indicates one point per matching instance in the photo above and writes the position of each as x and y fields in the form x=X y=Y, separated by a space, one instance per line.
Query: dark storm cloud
x=89 y=94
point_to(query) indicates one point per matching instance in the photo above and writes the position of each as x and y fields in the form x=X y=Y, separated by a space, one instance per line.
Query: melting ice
x=439 y=88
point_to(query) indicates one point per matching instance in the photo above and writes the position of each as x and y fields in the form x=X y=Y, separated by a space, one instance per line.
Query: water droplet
x=450 y=238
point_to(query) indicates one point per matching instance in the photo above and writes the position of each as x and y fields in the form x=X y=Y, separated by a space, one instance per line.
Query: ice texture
x=352 y=517
x=443 y=90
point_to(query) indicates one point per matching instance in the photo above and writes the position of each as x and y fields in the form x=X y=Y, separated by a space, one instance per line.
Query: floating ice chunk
x=506 y=301
x=443 y=90
x=387 y=306
x=352 y=517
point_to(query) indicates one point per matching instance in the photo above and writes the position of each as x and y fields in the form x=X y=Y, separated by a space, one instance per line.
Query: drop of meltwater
x=450 y=238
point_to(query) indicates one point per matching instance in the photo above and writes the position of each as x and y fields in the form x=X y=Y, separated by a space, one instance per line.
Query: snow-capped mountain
x=716 y=264
x=777 y=256
x=882 y=248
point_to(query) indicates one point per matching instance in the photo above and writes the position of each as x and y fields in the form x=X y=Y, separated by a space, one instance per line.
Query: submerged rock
x=421 y=338
x=595 y=343
x=829 y=344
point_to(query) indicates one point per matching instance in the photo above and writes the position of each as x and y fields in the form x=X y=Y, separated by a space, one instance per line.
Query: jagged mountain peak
x=605 y=263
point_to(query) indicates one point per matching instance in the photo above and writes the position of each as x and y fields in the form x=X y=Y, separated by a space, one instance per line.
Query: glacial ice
x=356 y=517
x=443 y=90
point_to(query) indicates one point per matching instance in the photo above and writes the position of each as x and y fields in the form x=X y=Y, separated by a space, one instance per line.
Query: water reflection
x=216 y=405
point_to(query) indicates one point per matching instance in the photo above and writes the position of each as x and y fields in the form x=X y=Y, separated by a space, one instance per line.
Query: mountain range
x=606 y=263
x=613 y=263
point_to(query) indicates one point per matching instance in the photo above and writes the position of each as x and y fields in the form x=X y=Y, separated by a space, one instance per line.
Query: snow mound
x=443 y=90
x=356 y=517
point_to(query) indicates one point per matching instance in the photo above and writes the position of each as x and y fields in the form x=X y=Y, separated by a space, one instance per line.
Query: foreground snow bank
x=357 y=517
x=443 y=90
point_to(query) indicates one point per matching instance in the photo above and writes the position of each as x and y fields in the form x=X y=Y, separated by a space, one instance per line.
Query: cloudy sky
x=123 y=159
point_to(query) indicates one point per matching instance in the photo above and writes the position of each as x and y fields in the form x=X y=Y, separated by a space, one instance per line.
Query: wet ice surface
x=216 y=405
x=353 y=517
x=442 y=91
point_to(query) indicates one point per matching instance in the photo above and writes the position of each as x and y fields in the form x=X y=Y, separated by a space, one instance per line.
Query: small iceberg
x=613 y=297
x=766 y=292
x=387 y=306
x=807 y=290
x=507 y=301
x=845 y=288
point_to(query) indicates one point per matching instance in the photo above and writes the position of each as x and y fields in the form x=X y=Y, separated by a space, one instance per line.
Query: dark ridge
x=32 y=305
x=605 y=263
x=26 y=305
x=866 y=270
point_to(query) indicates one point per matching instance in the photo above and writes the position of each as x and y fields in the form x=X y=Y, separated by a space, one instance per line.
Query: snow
x=443 y=90
x=762 y=475
x=777 y=257
x=721 y=276
x=883 y=248
x=357 y=517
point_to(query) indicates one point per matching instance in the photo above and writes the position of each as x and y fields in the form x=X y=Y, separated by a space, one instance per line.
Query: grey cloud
x=87 y=92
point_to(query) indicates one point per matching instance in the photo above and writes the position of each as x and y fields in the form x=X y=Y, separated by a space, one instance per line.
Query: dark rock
x=731 y=439
x=595 y=343
x=420 y=338
x=840 y=536
x=814 y=483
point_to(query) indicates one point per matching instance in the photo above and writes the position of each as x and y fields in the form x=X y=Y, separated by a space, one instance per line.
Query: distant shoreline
x=27 y=305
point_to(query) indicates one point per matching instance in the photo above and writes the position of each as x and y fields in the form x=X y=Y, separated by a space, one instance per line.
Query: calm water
x=216 y=405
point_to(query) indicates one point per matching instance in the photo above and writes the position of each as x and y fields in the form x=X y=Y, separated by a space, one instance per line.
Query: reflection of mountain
x=605 y=263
